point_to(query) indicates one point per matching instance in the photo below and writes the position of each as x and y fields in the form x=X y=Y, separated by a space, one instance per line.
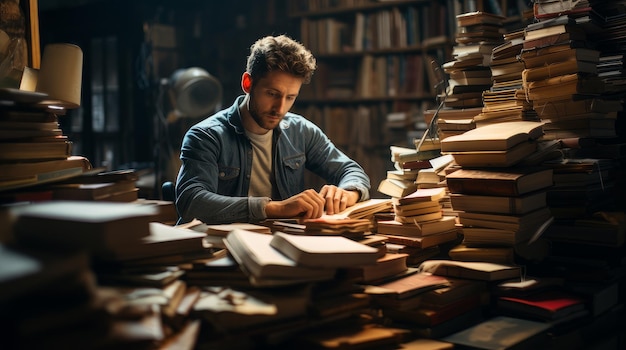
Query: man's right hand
x=306 y=205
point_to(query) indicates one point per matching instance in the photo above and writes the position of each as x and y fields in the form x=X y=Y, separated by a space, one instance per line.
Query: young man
x=246 y=163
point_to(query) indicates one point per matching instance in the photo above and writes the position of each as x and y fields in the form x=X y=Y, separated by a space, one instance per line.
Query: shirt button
x=248 y=176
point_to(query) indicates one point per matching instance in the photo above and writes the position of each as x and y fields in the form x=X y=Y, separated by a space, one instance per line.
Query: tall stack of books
x=33 y=149
x=478 y=33
x=500 y=203
x=561 y=75
x=505 y=100
x=419 y=222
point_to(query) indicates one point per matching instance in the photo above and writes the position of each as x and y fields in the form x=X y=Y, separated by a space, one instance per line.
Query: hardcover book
x=501 y=332
x=483 y=271
x=324 y=251
x=417 y=229
x=496 y=159
x=509 y=182
x=256 y=256
x=499 y=204
x=493 y=137
x=100 y=227
x=546 y=305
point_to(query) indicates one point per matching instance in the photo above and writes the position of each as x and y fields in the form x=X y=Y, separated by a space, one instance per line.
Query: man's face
x=271 y=97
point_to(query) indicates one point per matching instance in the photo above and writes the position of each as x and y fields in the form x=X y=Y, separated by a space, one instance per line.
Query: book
x=417 y=208
x=533 y=32
x=39 y=179
x=25 y=169
x=501 y=332
x=393 y=227
x=496 y=159
x=324 y=251
x=483 y=271
x=420 y=195
x=254 y=253
x=569 y=66
x=14 y=151
x=490 y=236
x=508 y=182
x=419 y=218
x=493 y=137
x=576 y=39
x=409 y=286
x=222 y=230
x=388 y=266
x=547 y=305
x=522 y=222
x=396 y=188
x=424 y=241
x=100 y=227
x=569 y=84
x=162 y=240
x=555 y=8
x=559 y=54
x=90 y=191
x=364 y=209
x=499 y=204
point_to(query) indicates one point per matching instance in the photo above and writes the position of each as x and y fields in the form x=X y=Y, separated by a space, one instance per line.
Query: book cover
x=509 y=182
x=396 y=188
x=493 y=137
x=501 y=332
x=324 y=251
x=546 y=305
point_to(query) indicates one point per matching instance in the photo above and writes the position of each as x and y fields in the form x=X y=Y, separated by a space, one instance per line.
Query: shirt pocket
x=294 y=163
x=228 y=173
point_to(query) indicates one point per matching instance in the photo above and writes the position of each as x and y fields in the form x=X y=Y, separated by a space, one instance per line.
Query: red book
x=549 y=305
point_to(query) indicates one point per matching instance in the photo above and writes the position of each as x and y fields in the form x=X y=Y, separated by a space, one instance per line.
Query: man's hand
x=306 y=205
x=337 y=199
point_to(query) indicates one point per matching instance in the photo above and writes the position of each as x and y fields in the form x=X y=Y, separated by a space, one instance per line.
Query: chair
x=168 y=191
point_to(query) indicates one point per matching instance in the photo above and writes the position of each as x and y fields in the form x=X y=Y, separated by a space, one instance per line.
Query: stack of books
x=506 y=100
x=561 y=69
x=500 y=208
x=419 y=222
x=33 y=148
x=478 y=34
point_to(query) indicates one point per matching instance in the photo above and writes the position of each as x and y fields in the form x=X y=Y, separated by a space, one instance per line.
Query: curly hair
x=280 y=53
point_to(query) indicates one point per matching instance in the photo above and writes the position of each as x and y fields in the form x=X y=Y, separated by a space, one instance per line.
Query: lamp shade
x=196 y=93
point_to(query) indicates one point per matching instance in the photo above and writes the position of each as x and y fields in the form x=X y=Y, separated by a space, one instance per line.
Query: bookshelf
x=373 y=81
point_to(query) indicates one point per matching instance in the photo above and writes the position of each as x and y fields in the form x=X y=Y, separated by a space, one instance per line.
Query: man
x=247 y=163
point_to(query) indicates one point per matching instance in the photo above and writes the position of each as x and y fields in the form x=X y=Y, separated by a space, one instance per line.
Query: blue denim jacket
x=216 y=155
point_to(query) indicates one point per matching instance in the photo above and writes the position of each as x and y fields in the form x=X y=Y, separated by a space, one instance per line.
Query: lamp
x=195 y=93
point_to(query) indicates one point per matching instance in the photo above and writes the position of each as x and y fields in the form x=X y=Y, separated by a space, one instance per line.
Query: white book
x=324 y=251
x=257 y=257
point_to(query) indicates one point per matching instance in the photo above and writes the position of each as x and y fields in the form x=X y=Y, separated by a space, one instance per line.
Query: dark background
x=123 y=100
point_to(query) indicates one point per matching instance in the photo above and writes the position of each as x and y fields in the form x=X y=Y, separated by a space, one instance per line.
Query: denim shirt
x=216 y=155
